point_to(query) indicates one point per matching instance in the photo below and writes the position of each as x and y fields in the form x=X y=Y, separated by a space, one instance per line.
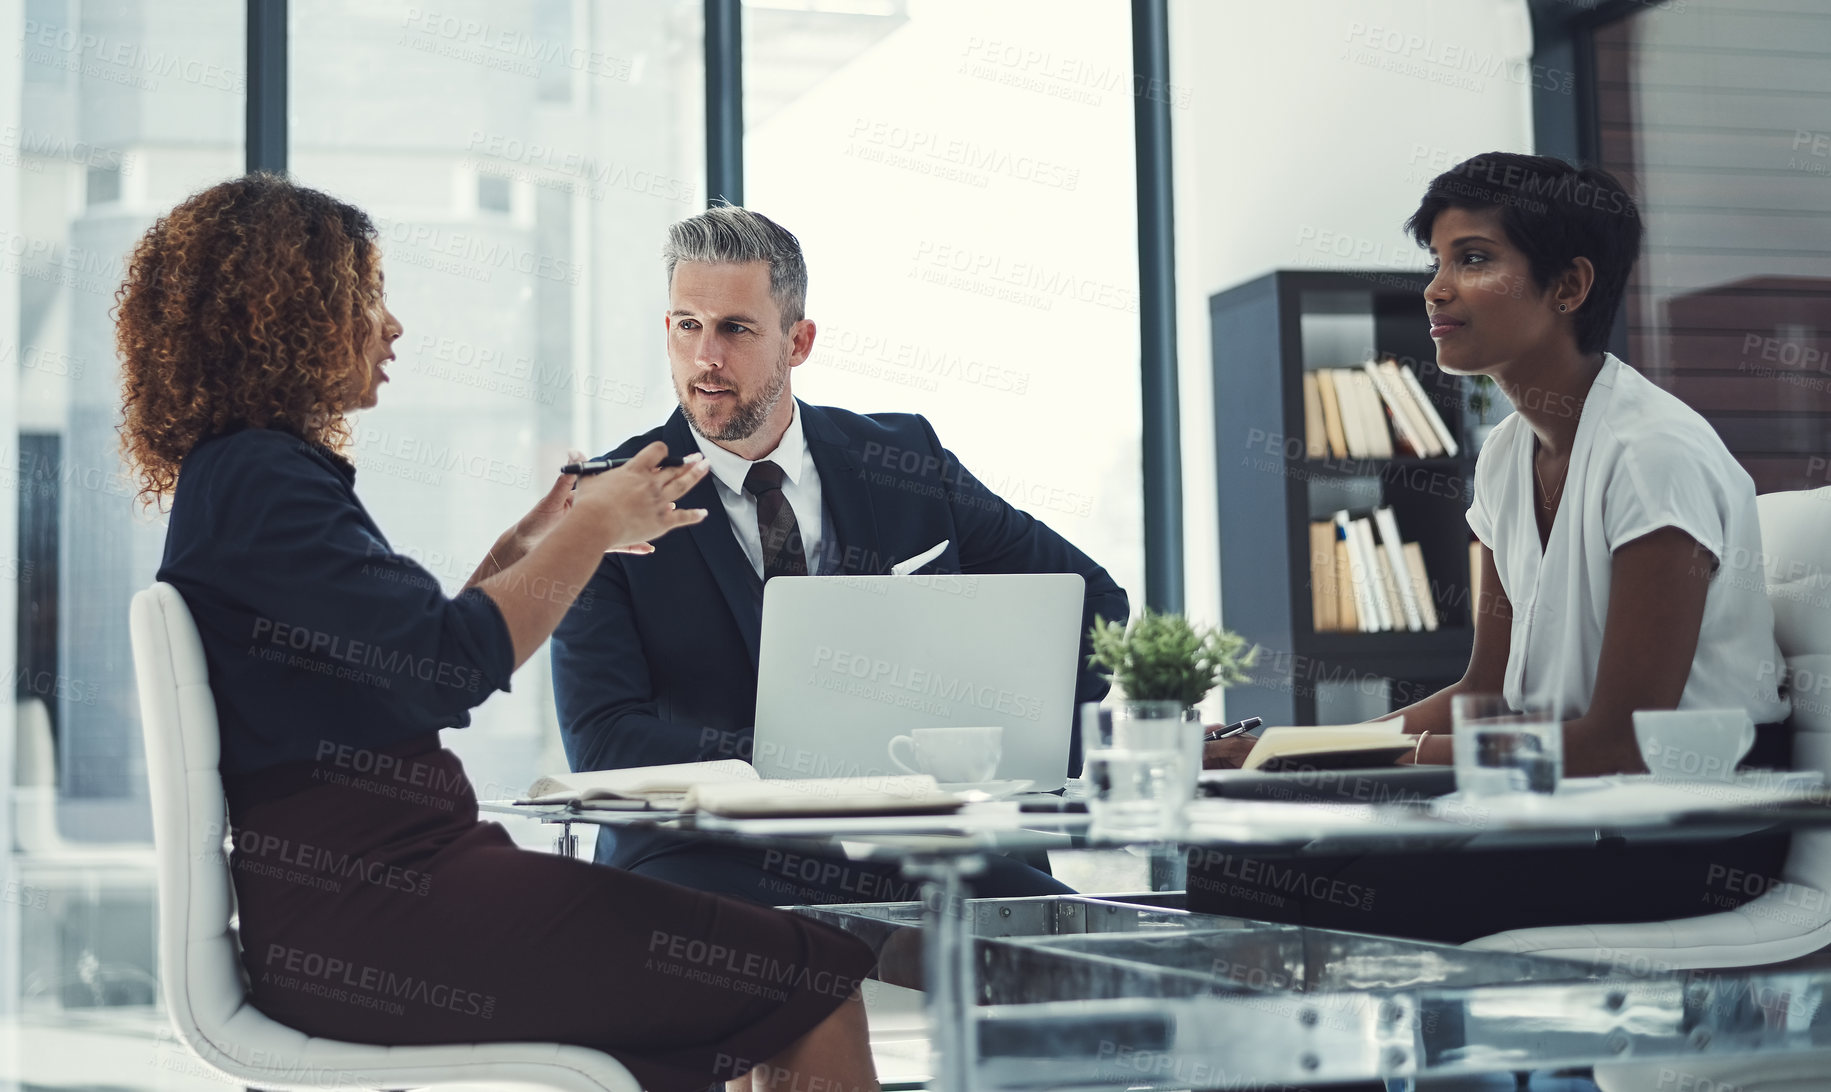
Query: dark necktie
x=781 y=535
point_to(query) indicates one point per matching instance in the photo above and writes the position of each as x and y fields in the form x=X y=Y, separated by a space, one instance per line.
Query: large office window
x=1714 y=111
x=111 y=111
x=961 y=177
x=522 y=162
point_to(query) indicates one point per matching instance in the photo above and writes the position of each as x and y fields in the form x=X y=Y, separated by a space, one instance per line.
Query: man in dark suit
x=657 y=661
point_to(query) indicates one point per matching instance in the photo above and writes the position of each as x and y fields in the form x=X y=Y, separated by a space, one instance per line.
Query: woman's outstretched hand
x=635 y=502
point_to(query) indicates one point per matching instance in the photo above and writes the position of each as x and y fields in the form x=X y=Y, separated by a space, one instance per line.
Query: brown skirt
x=375 y=908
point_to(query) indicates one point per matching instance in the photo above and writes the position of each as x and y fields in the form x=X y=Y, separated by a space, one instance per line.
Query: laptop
x=847 y=663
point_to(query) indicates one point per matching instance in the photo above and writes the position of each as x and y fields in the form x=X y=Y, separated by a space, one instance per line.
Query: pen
x=1230 y=730
x=599 y=466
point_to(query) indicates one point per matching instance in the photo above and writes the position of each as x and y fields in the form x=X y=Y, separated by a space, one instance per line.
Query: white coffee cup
x=1693 y=744
x=950 y=754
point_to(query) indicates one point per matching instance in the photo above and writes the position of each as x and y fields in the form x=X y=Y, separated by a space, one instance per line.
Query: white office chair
x=205 y=991
x=1794 y=918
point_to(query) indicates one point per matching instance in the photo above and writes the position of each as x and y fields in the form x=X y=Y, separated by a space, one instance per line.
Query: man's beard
x=749 y=415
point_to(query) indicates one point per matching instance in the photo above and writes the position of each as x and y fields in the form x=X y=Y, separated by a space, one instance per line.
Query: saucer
x=992 y=790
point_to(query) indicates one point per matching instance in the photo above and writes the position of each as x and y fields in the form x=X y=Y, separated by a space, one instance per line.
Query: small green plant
x=1481 y=398
x=1165 y=657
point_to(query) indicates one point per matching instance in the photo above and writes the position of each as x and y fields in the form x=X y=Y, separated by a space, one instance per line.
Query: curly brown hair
x=246 y=306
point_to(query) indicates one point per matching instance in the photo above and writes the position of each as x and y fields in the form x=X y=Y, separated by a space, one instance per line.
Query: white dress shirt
x=1642 y=461
x=800 y=487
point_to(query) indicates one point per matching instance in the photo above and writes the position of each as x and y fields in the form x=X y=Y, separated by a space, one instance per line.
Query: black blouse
x=317 y=634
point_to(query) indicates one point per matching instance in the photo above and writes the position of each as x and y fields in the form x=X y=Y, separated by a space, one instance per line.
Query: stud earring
x=1562 y=308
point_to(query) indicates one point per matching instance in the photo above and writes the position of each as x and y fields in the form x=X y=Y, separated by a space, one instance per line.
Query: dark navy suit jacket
x=657 y=660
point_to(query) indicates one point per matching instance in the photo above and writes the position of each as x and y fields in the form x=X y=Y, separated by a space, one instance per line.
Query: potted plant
x=1484 y=398
x=1165 y=665
x=1167 y=658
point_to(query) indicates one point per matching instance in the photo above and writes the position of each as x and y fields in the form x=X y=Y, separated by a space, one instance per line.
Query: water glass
x=1500 y=749
x=1138 y=765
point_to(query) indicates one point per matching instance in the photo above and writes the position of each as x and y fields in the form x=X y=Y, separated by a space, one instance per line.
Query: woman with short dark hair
x=1617 y=535
x=374 y=907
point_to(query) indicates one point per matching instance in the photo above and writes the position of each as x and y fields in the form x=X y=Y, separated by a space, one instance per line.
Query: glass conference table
x=1135 y=992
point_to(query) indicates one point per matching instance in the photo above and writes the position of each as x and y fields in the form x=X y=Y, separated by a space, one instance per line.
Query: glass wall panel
x=1715 y=109
x=111 y=112
x=522 y=162
x=961 y=177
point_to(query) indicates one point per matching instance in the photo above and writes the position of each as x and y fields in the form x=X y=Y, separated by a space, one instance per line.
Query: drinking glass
x=1500 y=749
x=1139 y=768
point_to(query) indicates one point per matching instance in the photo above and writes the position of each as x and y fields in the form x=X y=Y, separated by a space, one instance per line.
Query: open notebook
x=731 y=787
x=1330 y=747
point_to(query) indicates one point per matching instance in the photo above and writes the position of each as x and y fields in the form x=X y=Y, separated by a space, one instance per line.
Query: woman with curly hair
x=374 y=906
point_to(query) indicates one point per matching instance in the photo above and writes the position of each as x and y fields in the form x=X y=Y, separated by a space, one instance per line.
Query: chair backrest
x=1796 y=554
x=198 y=950
x=35 y=781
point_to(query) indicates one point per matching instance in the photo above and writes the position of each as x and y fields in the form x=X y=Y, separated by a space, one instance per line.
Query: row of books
x=1373 y=412
x=1365 y=579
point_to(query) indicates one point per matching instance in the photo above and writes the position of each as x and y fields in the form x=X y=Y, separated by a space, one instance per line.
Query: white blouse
x=1642 y=461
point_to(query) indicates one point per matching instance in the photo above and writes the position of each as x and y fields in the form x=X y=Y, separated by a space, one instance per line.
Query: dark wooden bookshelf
x=1269 y=491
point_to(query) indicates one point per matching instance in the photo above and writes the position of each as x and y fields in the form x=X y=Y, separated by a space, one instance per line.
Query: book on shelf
x=1377 y=581
x=1429 y=409
x=1394 y=557
x=1347 y=616
x=1324 y=598
x=1376 y=411
x=1353 y=422
x=1407 y=420
x=1405 y=441
x=1416 y=406
x=1374 y=428
x=1420 y=586
x=1333 y=428
x=1359 y=579
x=1315 y=432
x=1361 y=532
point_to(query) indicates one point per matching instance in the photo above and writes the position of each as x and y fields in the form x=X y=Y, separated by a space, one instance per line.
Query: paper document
x=904 y=568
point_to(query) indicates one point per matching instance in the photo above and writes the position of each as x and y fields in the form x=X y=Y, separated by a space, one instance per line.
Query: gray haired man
x=657 y=661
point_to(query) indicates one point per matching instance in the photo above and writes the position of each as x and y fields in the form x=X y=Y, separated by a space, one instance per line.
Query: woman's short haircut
x=732 y=233
x=1555 y=213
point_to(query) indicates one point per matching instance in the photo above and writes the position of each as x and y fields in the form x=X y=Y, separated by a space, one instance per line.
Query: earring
x=1562 y=308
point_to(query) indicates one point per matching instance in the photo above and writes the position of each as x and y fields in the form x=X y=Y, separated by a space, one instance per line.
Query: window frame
x=266 y=139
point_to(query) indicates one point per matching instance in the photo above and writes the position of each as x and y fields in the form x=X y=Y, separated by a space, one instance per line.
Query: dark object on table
x=1388 y=785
